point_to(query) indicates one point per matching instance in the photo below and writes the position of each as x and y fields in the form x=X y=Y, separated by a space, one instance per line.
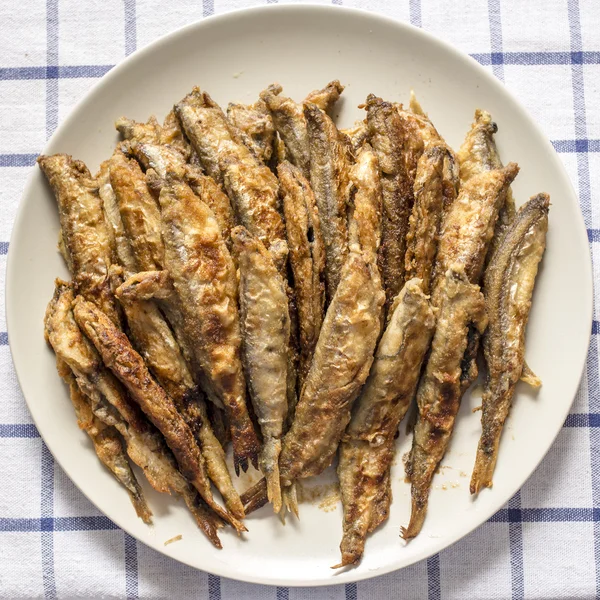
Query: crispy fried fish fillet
x=440 y=390
x=358 y=134
x=365 y=211
x=330 y=182
x=289 y=121
x=367 y=448
x=140 y=132
x=172 y=135
x=307 y=258
x=479 y=154
x=111 y=405
x=388 y=137
x=265 y=322
x=508 y=286
x=256 y=123
x=107 y=443
x=426 y=217
x=251 y=186
x=84 y=233
x=128 y=366
x=139 y=211
x=340 y=366
x=469 y=225
x=204 y=280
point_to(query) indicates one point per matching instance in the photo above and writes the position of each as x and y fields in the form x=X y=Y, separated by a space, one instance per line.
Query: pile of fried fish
x=259 y=278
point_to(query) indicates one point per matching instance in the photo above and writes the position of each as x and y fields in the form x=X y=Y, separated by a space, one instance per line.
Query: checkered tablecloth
x=544 y=544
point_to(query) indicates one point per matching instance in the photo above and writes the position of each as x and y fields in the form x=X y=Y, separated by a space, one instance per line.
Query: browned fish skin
x=367 y=448
x=172 y=135
x=340 y=366
x=139 y=211
x=107 y=443
x=84 y=233
x=255 y=121
x=251 y=186
x=265 y=324
x=140 y=132
x=255 y=497
x=469 y=225
x=365 y=209
x=204 y=278
x=326 y=97
x=110 y=403
x=330 y=182
x=289 y=121
x=307 y=258
x=388 y=138
x=358 y=134
x=128 y=366
x=440 y=390
x=426 y=217
x=508 y=286
x=479 y=154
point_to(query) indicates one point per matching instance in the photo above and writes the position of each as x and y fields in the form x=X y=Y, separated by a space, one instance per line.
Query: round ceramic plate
x=234 y=57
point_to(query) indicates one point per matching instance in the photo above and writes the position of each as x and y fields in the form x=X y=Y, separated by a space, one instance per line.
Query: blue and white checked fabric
x=544 y=544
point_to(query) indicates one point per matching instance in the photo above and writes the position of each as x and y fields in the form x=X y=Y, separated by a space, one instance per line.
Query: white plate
x=233 y=57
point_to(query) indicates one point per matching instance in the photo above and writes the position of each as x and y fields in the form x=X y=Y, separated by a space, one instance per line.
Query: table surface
x=544 y=544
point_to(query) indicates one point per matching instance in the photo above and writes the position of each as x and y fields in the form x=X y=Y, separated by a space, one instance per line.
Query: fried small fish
x=367 y=448
x=204 y=280
x=128 y=366
x=256 y=123
x=358 y=134
x=139 y=211
x=340 y=366
x=426 y=216
x=265 y=323
x=129 y=129
x=387 y=135
x=111 y=405
x=307 y=258
x=85 y=237
x=330 y=182
x=250 y=185
x=440 y=390
x=289 y=121
x=508 y=287
x=172 y=135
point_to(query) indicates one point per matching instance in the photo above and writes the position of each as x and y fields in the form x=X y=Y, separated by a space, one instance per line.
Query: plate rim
x=348 y=576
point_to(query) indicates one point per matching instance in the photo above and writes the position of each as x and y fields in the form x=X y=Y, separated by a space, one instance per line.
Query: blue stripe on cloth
x=3 y=338
x=52 y=66
x=214 y=587
x=415 y=13
x=515 y=536
x=17 y=160
x=47 y=523
x=495 y=19
x=208 y=8
x=18 y=430
x=537 y=58
x=57 y=524
x=283 y=593
x=66 y=72
x=546 y=515
x=434 y=584
x=131 y=567
x=595 y=326
x=130 y=27
x=351 y=591
x=576 y=145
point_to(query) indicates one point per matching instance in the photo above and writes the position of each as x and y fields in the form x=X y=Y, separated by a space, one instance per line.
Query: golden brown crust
x=172 y=135
x=84 y=233
x=139 y=211
x=204 y=278
x=440 y=389
x=265 y=322
x=367 y=448
x=128 y=366
x=426 y=216
x=341 y=363
x=256 y=123
x=388 y=137
x=508 y=286
x=358 y=134
x=139 y=132
x=307 y=258
x=326 y=97
x=251 y=186
x=330 y=182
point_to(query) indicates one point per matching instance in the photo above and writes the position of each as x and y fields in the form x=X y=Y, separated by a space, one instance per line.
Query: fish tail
x=269 y=464
x=290 y=499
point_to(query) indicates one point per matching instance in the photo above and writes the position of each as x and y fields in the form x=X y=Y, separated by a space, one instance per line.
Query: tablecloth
x=544 y=544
